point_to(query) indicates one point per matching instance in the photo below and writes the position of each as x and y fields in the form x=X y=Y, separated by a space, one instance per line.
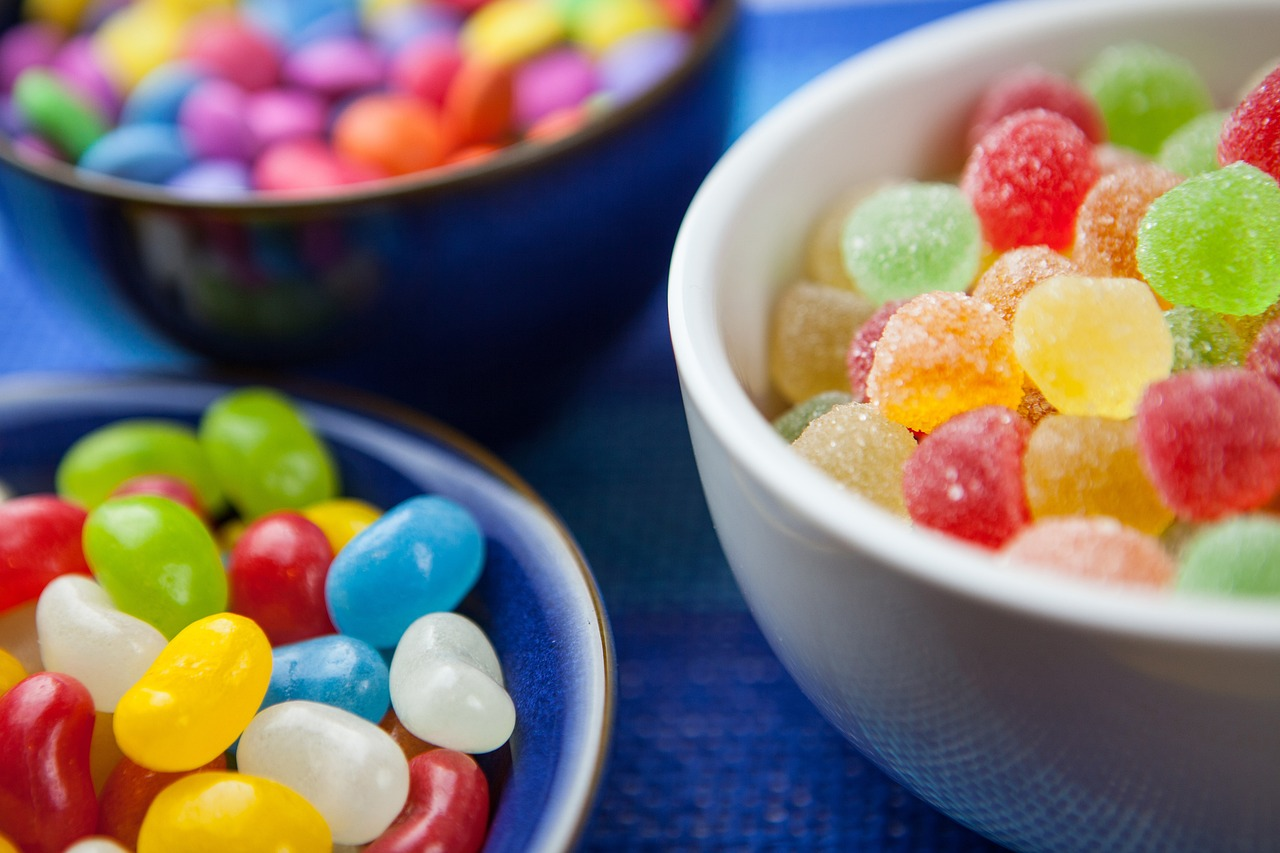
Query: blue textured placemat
x=715 y=746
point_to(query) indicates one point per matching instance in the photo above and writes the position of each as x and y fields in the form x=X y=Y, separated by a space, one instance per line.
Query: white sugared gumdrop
x=354 y=774
x=446 y=685
x=83 y=634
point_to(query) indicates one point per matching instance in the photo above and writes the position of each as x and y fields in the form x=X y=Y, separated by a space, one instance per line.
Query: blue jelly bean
x=158 y=97
x=337 y=670
x=153 y=153
x=423 y=555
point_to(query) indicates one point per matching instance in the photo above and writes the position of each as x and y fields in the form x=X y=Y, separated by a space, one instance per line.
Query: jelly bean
x=1034 y=87
x=812 y=327
x=447 y=809
x=158 y=97
x=156 y=560
x=508 y=32
x=18 y=635
x=97 y=464
x=27 y=45
x=104 y=752
x=198 y=695
x=46 y=790
x=423 y=555
x=1193 y=148
x=215 y=120
x=397 y=134
x=557 y=80
x=264 y=453
x=11 y=671
x=334 y=67
x=153 y=153
x=59 y=114
x=96 y=844
x=165 y=486
x=7 y=846
x=348 y=768
x=634 y=65
x=84 y=635
x=276 y=574
x=233 y=49
x=341 y=519
x=215 y=812
x=446 y=685
x=275 y=115
x=129 y=792
x=793 y=421
x=336 y=670
x=871 y=463
x=410 y=744
x=39 y=541
x=425 y=67
x=1098 y=548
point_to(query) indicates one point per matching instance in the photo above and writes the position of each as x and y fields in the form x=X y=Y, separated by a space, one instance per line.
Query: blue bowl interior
x=536 y=598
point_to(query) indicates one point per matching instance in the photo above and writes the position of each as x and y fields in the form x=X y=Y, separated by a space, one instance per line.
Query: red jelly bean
x=163 y=486
x=39 y=540
x=448 y=807
x=47 y=799
x=1031 y=87
x=862 y=349
x=276 y=577
x=1252 y=131
x=128 y=793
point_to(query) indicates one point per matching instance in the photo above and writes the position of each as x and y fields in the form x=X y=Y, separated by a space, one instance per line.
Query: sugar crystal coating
x=862 y=450
x=824 y=254
x=812 y=327
x=793 y=421
x=862 y=349
x=1202 y=339
x=1092 y=345
x=942 y=354
x=912 y=238
x=1252 y=131
x=1228 y=262
x=1233 y=557
x=1029 y=87
x=1264 y=355
x=1107 y=224
x=1193 y=148
x=1015 y=272
x=1097 y=548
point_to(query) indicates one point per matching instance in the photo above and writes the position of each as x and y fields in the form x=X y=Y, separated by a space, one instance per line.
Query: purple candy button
x=279 y=114
x=77 y=65
x=25 y=46
x=334 y=67
x=557 y=80
x=211 y=179
x=634 y=65
x=214 y=120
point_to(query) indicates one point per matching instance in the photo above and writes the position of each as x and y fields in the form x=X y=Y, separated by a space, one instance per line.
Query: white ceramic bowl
x=1046 y=713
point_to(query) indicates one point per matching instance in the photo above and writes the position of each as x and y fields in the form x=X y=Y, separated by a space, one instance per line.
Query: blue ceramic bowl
x=442 y=289
x=536 y=597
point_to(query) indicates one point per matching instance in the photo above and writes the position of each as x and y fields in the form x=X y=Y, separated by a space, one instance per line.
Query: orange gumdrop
x=479 y=105
x=396 y=134
x=128 y=793
x=1107 y=222
x=1015 y=272
x=408 y=742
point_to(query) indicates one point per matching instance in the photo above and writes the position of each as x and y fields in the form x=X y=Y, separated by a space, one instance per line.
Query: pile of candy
x=217 y=97
x=1072 y=355
x=175 y=704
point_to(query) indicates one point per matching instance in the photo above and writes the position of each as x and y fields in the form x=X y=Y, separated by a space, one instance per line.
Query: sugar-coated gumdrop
x=966 y=477
x=447 y=809
x=447 y=687
x=862 y=450
x=1144 y=93
x=1264 y=354
x=1202 y=339
x=911 y=238
x=1090 y=466
x=128 y=793
x=1092 y=345
x=1031 y=87
x=336 y=670
x=1023 y=206
x=276 y=574
x=811 y=329
x=1107 y=224
x=39 y=541
x=862 y=349
x=217 y=811
x=793 y=421
x=1210 y=441
x=1229 y=262
x=1096 y=548
x=1233 y=557
x=1033 y=406
x=942 y=354
x=1193 y=148
x=1252 y=132
x=823 y=257
x=46 y=789
x=1015 y=272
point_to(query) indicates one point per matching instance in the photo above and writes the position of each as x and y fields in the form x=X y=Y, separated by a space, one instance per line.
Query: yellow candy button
x=507 y=32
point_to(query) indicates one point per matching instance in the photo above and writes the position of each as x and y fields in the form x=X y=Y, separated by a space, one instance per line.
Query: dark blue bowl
x=445 y=290
x=536 y=597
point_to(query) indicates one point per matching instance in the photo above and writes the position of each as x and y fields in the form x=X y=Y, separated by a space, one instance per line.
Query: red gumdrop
x=162 y=485
x=47 y=799
x=448 y=807
x=965 y=479
x=862 y=348
x=1252 y=131
x=1264 y=355
x=1031 y=87
x=1209 y=440
x=128 y=792
x=39 y=540
x=276 y=575
x=1027 y=177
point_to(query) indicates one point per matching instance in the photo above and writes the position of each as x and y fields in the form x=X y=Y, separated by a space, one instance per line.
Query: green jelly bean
x=97 y=464
x=156 y=560
x=264 y=454
x=57 y=113
x=1234 y=557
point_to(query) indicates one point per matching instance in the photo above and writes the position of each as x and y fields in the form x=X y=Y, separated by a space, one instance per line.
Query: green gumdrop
x=97 y=464
x=1144 y=93
x=156 y=560
x=912 y=238
x=1239 y=557
x=793 y=421
x=57 y=113
x=264 y=454
x=1193 y=148
x=1202 y=339
x=1211 y=241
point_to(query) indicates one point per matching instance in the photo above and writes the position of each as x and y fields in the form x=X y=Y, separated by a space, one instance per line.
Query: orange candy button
x=397 y=134
x=480 y=105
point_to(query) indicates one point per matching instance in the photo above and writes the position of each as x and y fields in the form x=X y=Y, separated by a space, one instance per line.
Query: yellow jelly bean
x=600 y=24
x=507 y=32
x=11 y=671
x=7 y=846
x=198 y=695
x=341 y=519
x=137 y=39
x=217 y=811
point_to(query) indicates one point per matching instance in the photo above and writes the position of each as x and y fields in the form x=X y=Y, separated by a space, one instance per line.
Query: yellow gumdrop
x=137 y=39
x=341 y=519
x=198 y=695
x=1092 y=345
x=11 y=671
x=507 y=32
x=863 y=450
x=218 y=811
x=64 y=13
x=811 y=327
x=600 y=24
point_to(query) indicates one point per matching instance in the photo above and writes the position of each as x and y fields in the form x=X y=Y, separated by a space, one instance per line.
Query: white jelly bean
x=83 y=634
x=97 y=844
x=354 y=774
x=446 y=685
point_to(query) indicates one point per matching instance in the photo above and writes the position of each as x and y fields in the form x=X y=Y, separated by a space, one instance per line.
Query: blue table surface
x=715 y=747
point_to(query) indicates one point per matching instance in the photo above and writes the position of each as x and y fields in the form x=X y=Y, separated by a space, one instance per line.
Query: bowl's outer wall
x=1045 y=734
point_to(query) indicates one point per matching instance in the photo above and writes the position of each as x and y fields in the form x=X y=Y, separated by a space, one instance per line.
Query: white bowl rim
x=710 y=385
